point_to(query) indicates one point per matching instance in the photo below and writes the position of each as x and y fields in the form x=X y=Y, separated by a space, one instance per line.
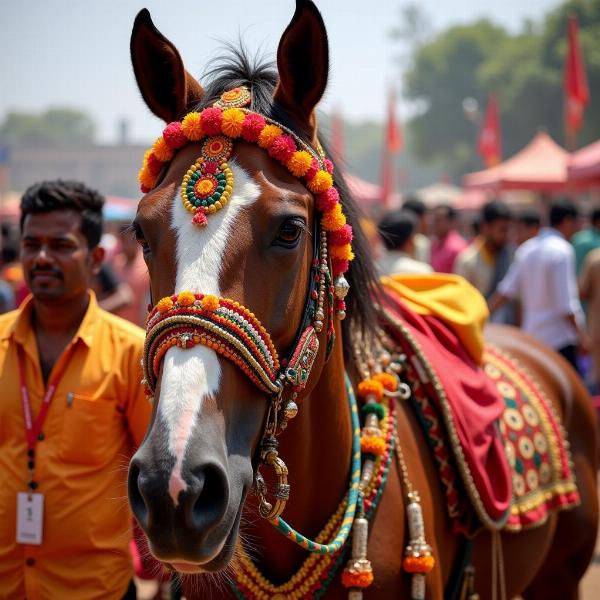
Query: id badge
x=30 y=517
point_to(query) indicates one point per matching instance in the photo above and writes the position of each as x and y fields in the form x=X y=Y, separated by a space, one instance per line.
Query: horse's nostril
x=209 y=502
x=136 y=498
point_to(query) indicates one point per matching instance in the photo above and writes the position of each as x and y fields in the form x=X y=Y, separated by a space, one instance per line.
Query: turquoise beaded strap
x=346 y=526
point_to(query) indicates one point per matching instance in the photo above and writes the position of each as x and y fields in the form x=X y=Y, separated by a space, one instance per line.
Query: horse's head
x=233 y=217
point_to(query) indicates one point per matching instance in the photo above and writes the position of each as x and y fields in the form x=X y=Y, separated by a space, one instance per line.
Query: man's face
x=57 y=262
x=441 y=223
x=496 y=233
x=569 y=227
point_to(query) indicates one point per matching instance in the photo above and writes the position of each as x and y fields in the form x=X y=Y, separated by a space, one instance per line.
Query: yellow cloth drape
x=451 y=299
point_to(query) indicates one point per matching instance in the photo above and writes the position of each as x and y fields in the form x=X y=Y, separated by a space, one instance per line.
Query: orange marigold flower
x=146 y=178
x=233 y=120
x=358 y=579
x=268 y=135
x=186 y=298
x=164 y=304
x=192 y=127
x=321 y=182
x=418 y=564
x=389 y=382
x=369 y=387
x=344 y=252
x=299 y=163
x=371 y=444
x=210 y=302
x=333 y=219
x=161 y=150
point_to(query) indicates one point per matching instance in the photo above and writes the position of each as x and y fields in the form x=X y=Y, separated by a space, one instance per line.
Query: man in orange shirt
x=72 y=411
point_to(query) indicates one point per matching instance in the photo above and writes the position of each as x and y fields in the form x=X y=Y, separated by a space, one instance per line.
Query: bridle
x=187 y=319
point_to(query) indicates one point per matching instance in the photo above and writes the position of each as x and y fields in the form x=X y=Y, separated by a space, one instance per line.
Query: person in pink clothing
x=448 y=243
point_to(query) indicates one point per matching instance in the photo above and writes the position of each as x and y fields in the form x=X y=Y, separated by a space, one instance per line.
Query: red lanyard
x=33 y=429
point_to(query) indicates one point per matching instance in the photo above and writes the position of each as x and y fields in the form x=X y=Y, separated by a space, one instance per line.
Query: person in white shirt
x=397 y=230
x=542 y=278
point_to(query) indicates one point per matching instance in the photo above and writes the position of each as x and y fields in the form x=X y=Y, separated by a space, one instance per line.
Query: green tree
x=54 y=126
x=442 y=74
x=524 y=70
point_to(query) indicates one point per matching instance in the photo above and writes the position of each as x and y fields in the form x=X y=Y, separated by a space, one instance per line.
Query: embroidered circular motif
x=545 y=473
x=518 y=485
x=532 y=479
x=492 y=371
x=235 y=98
x=526 y=447
x=217 y=148
x=513 y=418
x=539 y=441
x=530 y=415
x=506 y=390
x=208 y=183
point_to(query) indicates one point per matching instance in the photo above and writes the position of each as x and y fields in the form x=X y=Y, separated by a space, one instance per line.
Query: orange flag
x=577 y=93
x=489 y=141
x=393 y=145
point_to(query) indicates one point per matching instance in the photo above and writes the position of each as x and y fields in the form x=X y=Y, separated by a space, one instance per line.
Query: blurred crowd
x=537 y=269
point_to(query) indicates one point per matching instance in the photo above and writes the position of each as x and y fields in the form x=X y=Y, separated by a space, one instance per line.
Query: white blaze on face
x=191 y=375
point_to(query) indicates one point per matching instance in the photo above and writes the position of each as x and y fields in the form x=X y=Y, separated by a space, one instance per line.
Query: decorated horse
x=412 y=459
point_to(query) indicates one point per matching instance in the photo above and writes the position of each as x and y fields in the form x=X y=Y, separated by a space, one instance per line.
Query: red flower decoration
x=312 y=171
x=154 y=165
x=282 y=148
x=174 y=136
x=252 y=126
x=339 y=266
x=327 y=200
x=200 y=218
x=342 y=236
x=211 y=119
x=328 y=165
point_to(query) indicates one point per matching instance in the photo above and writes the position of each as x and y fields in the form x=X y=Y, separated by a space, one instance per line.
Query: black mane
x=260 y=76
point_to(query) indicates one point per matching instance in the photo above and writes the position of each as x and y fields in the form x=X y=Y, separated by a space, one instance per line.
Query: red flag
x=577 y=93
x=337 y=135
x=489 y=141
x=393 y=145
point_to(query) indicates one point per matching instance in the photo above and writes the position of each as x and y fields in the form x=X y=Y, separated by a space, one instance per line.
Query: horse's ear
x=303 y=64
x=168 y=89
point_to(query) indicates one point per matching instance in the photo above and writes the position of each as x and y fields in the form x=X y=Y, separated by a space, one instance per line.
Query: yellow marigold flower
x=333 y=219
x=161 y=150
x=389 y=382
x=192 y=127
x=186 y=298
x=372 y=445
x=268 y=135
x=233 y=120
x=418 y=564
x=369 y=387
x=344 y=252
x=210 y=302
x=146 y=155
x=164 y=304
x=320 y=182
x=146 y=178
x=299 y=163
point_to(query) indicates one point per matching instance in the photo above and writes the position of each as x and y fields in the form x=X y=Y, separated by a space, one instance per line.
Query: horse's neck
x=316 y=447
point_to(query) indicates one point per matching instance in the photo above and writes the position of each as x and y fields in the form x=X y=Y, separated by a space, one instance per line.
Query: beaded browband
x=189 y=318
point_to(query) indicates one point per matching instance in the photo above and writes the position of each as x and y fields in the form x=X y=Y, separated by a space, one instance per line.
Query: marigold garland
x=284 y=146
x=370 y=387
x=358 y=579
x=418 y=564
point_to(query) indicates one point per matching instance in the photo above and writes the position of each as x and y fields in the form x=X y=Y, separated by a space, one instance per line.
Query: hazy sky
x=76 y=52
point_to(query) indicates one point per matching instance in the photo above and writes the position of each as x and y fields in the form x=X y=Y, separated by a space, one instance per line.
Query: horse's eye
x=289 y=233
x=136 y=231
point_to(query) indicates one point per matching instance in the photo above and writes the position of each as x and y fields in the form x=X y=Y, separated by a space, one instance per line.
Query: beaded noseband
x=188 y=318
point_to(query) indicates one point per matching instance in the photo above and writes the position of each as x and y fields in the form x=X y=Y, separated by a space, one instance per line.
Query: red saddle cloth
x=466 y=399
